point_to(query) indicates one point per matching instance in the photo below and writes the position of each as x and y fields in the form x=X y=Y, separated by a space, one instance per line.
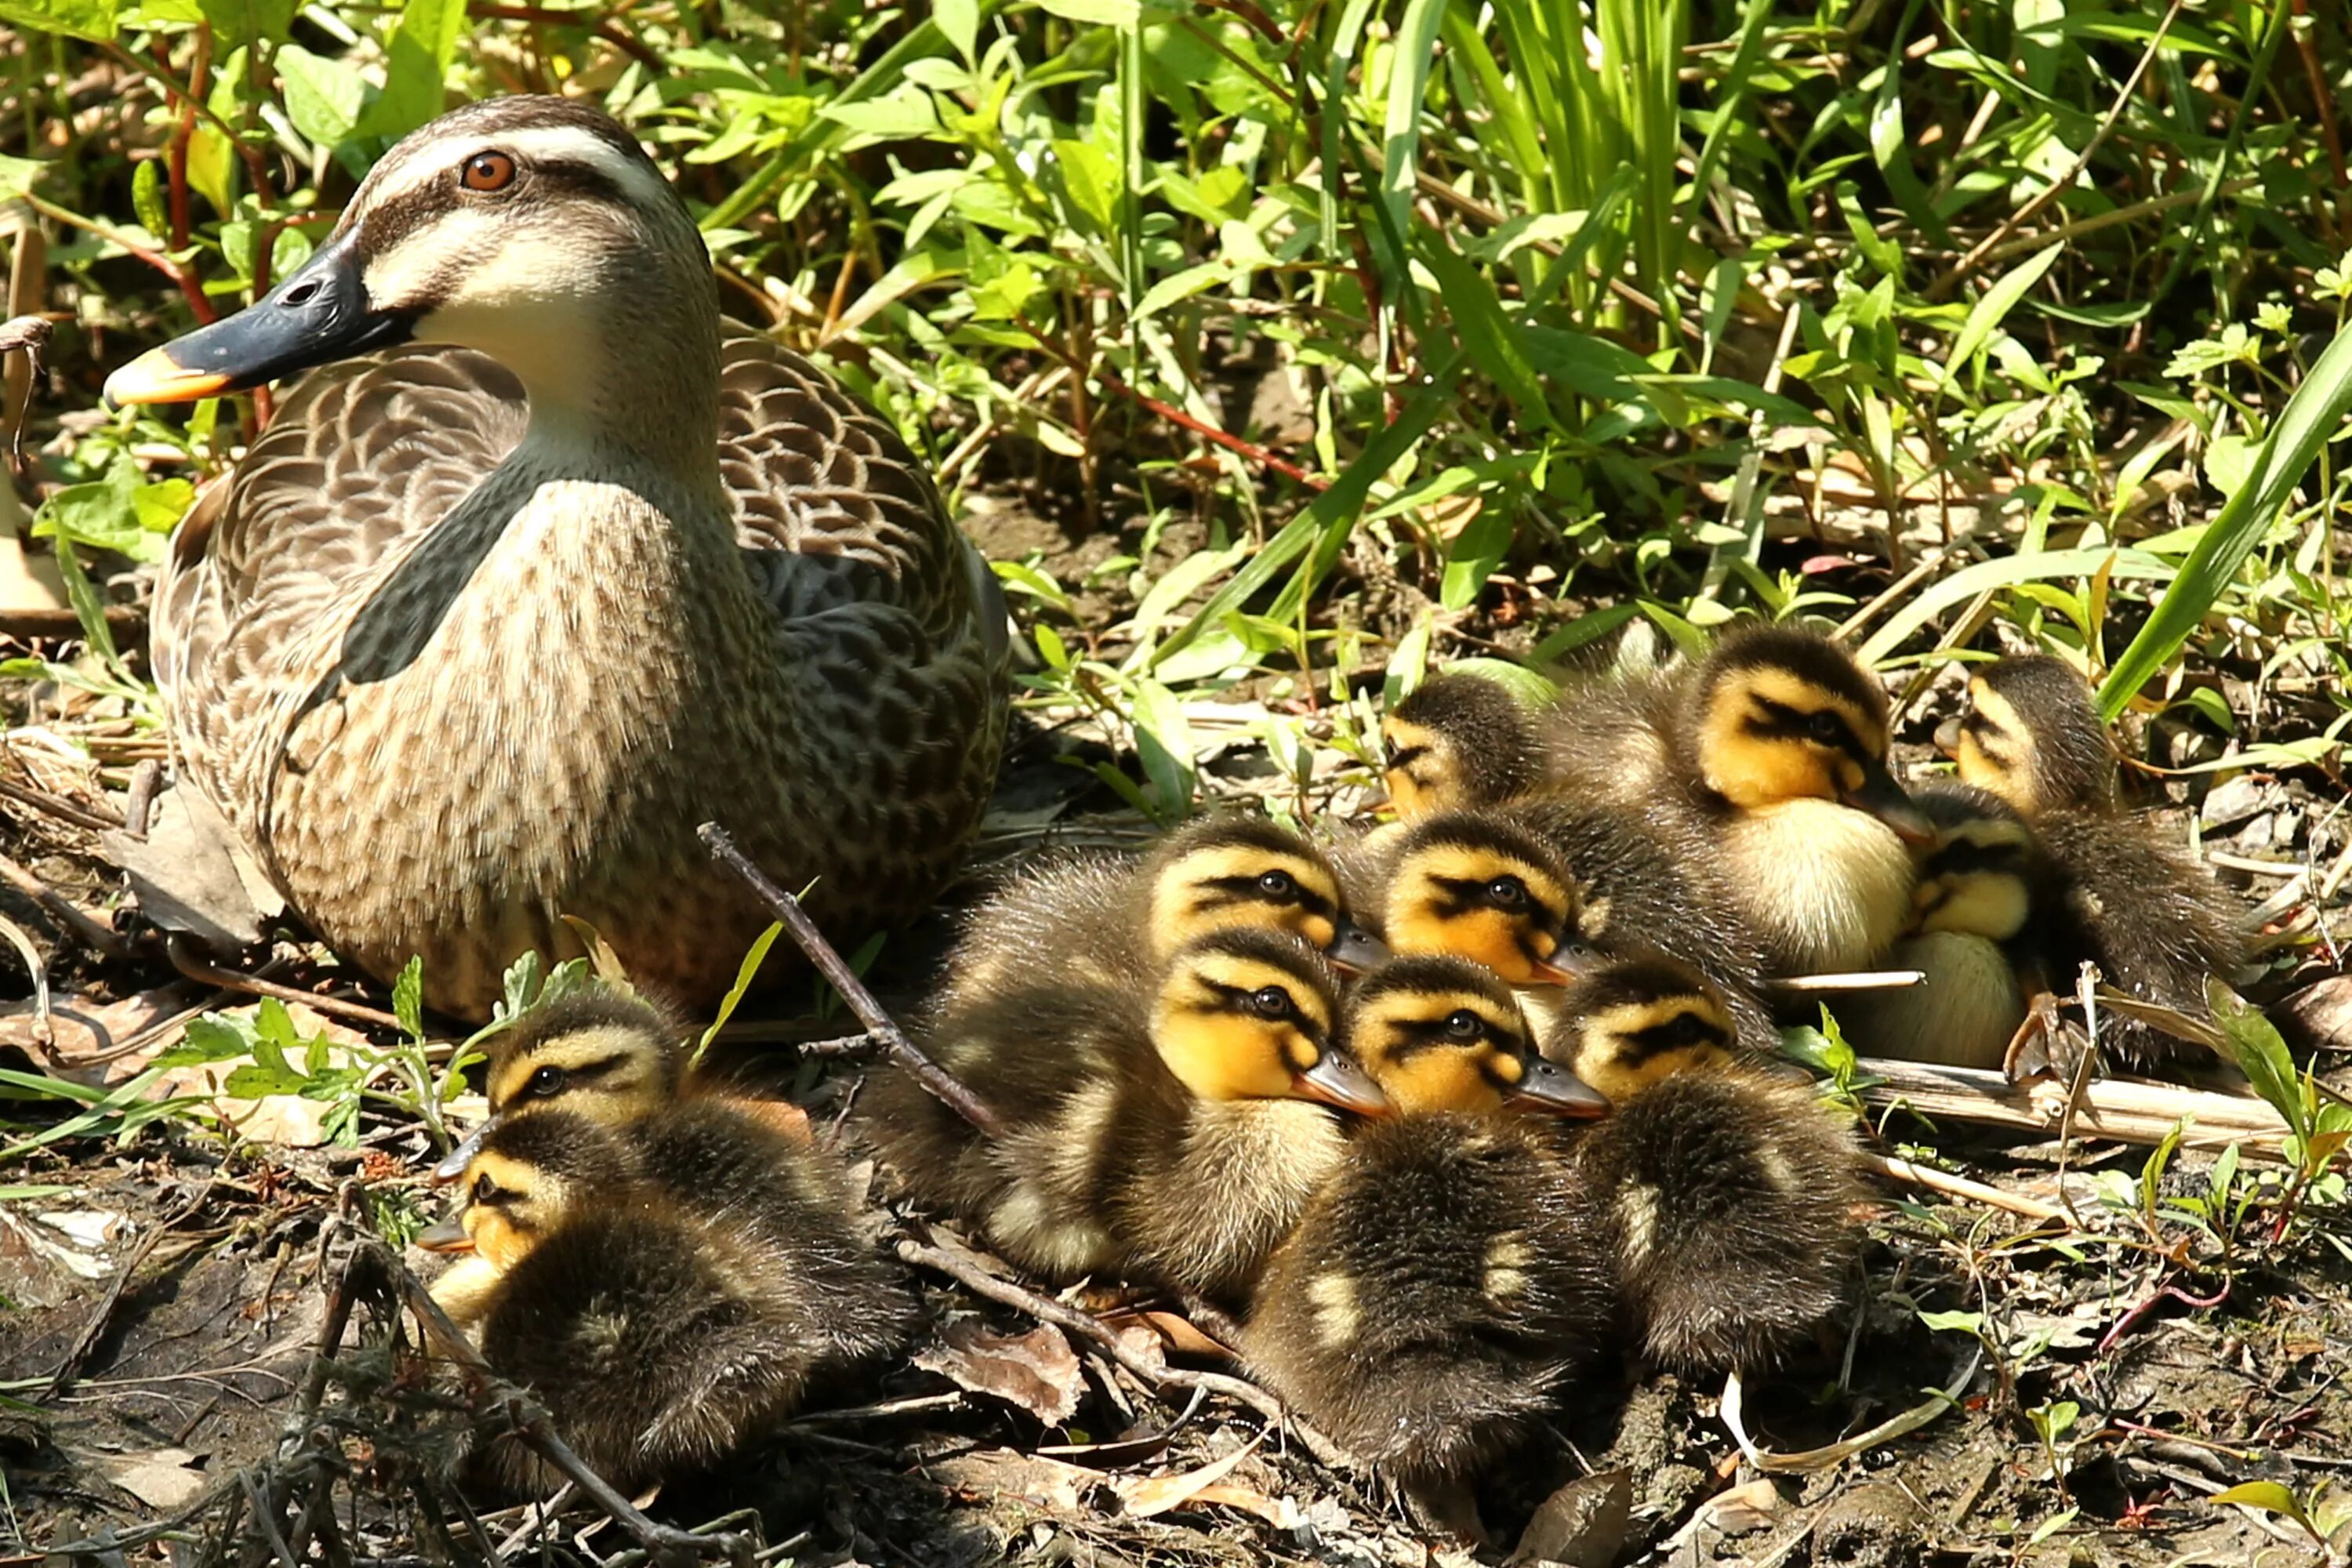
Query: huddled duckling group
x=1448 y=1113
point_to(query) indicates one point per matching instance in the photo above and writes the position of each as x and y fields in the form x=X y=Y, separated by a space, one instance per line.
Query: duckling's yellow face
x=1243 y=884
x=1425 y=772
x=1244 y=1026
x=1485 y=904
x=1976 y=879
x=1995 y=748
x=1624 y=1047
x=512 y=1206
x=609 y=1072
x=1770 y=734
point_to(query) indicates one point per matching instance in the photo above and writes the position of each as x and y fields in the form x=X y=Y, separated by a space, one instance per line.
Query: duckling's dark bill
x=447 y=1237
x=1356 y=950
x=1336 y=1081
x=1883 y=798
x=453 y=1164
x=321 y=313
x=1548 y=1087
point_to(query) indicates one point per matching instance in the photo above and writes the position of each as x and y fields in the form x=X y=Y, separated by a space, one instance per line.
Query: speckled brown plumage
x=449 y=684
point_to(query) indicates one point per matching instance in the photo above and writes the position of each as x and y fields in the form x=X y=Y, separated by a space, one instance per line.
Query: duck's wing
x=361 y=456
x=834 y=512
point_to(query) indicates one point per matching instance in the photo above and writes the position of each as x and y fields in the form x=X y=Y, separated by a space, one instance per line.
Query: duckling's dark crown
x=1277 y=949
x=1467 y=710
x=2046 y=692
x=1422 y=973
x=1638 y=982
x=1948 y=802
x=562 y=1144
x=1234 y=830
x=1807 y=654
x=590 y=1007
x=1489 y=832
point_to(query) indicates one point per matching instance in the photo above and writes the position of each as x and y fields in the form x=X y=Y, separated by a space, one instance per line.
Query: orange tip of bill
x=156 y=377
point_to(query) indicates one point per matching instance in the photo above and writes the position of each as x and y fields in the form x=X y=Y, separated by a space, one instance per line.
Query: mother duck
x=480 y=631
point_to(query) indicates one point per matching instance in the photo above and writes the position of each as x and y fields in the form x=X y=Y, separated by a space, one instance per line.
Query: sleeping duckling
x=660 y=1340
x=614 y=1060
x=1438 y=1293
x=1109 y=916
x=1176 y=1135
x=1541 y=890
x=2127 y=897
x=1976 y=934
x=1724 y=1189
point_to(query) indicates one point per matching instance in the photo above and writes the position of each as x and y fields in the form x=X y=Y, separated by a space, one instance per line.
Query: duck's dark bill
x=1357 y=950
x=447 y=1237
x=1548 y=1087
x=320 y=314
x=1884 y=798
x=453 y=1164
x=1947 y=737
x=1336 y=1081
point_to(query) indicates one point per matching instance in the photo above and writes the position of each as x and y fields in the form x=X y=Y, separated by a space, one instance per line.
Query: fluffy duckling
x=1108 y=916
x=1976 y=934
x=2126 y=896
x=660 y=1340
x=1722 y=1189
x=1769 y=755
x=1175 y=1133
x=1540 y=890
x=614 y=1060
x=1439 y=1291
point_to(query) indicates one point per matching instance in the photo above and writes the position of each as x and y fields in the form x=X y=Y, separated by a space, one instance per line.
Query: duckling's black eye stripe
x=573 y=1074
x=1682 y=1029
x=1246 y=891
x=1405 y=756
x=1464 y=894
x=1782 y=722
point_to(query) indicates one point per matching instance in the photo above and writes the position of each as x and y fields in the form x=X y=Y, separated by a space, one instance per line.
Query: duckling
x=2127 y=897
x=1175 y=1134
x=659 y=1339
x=1976 y=934
x=1109 y=916
x=1440 y=1290
x=614 y=1059
x=1540 y=890
x=1458 y=741
x=1722 y=1190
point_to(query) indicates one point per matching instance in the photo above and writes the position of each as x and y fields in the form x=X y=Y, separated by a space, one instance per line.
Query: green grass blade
x=2311 y=416
x=1993 y=306
x=2005 y=572
x=1416 y=52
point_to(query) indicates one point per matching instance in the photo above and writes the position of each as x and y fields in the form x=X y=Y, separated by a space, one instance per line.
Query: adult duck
x=545 y=568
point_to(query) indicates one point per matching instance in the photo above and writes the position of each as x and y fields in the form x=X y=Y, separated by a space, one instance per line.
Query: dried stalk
x=2124 y=1109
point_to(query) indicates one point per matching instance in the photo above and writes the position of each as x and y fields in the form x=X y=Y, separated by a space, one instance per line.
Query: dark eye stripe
x=1244 y=889
x=1782 y=722
x=1405 y=756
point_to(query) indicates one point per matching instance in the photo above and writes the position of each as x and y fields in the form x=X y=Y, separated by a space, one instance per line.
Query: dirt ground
x=2095 y=1381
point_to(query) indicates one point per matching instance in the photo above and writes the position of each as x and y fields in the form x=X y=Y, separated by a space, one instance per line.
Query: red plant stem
x=1175 y=415
x=2154 y=1300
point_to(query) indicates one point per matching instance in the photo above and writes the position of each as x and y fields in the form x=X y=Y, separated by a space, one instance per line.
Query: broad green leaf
x=18 y=175
x=237 y=22
x=211 y=168
x=416 y=67
x=1091 y=176
x=1478 y=549
x=1954 y=1322
x=2265 y=1497
x=2255 y=1043
x=1485 y=333
x=408 y=998
x=2311 y=418
x=899 y=116
x=1107 y=13
x=324 y=98
x=1163 y=743
x=959 y=21
x=1993 y=306
x=91 y=19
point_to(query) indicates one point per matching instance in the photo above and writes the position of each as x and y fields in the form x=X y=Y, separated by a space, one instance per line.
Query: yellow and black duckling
x=612 y=1059
x=1770 y=755
x=2126 y=896
x=1110 y=916
x=1976 y=933
x=1722 y=1189
x=661 y=1338
x=1540 y=890
x=1174 y=1133
x=1441 y=1288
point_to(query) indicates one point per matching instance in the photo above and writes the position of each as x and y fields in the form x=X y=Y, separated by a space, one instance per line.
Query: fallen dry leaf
x=1742 y=1510
x=1582 y=1524
x=1147 y=1496
x=1036 y=1371
x=159 y=1477
x=2319 y=1016
x=86 y=1028
x=996 y=1472
x=189 y=878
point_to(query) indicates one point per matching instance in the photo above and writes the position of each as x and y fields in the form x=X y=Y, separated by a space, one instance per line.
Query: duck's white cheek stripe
x=413 y=273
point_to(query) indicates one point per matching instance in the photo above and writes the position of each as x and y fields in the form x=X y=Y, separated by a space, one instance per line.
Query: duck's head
x=1634 y=1023
x=1980 y=867
x=2031 y=736
x=1458 y=741
x=532 y=228
x=1249 y=1014
x=596 y=1054
x=1439 y=1033
x=1782 y=714
x=525 y=1178
x=1238 y=869
x=1478 y=885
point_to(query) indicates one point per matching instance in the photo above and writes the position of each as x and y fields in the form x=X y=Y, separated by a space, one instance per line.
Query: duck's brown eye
x=1508 y=892
x=545 y=1081
x=488 y=172
x=1277 y=885
x=1271 y=1002
x=1463 y=1025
